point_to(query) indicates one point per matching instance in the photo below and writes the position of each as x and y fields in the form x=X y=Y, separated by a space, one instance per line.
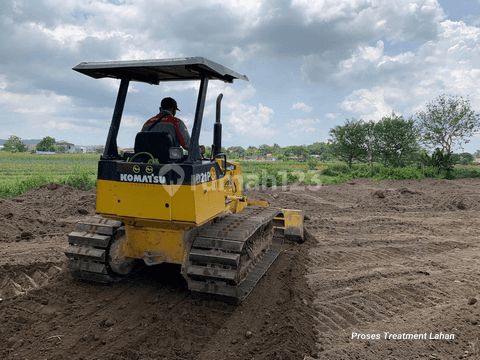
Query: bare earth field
x=392 y=259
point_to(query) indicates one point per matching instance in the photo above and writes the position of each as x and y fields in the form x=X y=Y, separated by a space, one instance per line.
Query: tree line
x=428 y=137
x=320 y=149
x=15 y=144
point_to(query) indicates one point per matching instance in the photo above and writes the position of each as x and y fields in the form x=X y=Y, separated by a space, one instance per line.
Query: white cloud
x=13 y=98
x=332 y=116
x=347 y=30
x=472 y=20
x=3 y=82
x=42 y=102
x=362 y=57
x=180 y=86
x=138 y=54
x=240 y=116
x=253 y=121
x=39 y=110
x=67 y=125
x=245 y=53
x=132 y=122
x=303 y=107
x=391 y=18
x=50 y=125
x=232 y=94
x=71 y=35
x=368 y=104
x=407 y=81
x=302 y=127
x=6 y=132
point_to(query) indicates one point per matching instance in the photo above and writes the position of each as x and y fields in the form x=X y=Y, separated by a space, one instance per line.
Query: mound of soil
x=44 y=211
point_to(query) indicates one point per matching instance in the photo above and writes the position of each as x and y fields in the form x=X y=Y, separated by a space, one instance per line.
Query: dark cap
x=169 y=103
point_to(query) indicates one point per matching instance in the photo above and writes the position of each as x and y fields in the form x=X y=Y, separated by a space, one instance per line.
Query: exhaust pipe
x=217 y=130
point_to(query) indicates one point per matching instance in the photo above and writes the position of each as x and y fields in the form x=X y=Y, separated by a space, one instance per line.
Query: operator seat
x=155 y=143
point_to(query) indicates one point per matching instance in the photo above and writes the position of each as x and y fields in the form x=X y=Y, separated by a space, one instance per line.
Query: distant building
x=81 y=149
x=65 y=147
x=296 y=157
x=32 y=147
x=476 y=160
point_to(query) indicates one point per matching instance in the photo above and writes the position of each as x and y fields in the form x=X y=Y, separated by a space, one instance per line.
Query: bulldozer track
x=229 y=257
x=87 y=249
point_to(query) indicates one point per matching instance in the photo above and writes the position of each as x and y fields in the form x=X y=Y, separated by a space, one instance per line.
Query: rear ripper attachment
x=229 y=257
x=88 y=249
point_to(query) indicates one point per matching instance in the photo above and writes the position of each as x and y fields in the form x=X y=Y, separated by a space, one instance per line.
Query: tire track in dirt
x=327 y=256
x=351 y=304
x=403 y=262
x=19 y=280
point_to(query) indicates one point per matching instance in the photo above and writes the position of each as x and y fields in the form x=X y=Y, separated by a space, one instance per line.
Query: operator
x=168 y=109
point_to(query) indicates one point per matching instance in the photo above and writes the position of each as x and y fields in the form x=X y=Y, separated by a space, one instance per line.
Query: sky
x=311 y=64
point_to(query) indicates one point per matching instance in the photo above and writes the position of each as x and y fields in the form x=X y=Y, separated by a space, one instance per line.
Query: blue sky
x=311 y=64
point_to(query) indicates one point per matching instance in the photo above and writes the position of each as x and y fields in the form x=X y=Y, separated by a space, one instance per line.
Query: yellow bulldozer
x=160 y=205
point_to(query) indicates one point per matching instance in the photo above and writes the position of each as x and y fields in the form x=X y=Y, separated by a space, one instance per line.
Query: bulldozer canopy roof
x=157 y=70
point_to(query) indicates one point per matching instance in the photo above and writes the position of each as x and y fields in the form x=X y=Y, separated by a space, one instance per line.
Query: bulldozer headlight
x=176 y=153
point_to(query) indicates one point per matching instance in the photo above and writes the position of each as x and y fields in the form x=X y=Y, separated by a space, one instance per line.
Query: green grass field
x=21 y=172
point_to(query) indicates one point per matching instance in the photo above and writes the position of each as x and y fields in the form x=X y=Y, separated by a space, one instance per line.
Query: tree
x=466 y=158
x=397 y=139
x=296 y=150
x=463 y=158
x=14 y=144
x=372 y=141
x=236 y=149
x=312 y=162
x=251 y=150
x=348 y=141
x=448 y=122
x=98 y=149
x=208 y=151
x=278 y=153
x=47 y=144
x=236 y=152
x=264 y=149
x=317 y=148
x=476 y=154
x=327 y=154
x=442 y=160
x=62 y=146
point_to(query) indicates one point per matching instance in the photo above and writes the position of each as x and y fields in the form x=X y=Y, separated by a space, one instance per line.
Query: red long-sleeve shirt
x=180 y=127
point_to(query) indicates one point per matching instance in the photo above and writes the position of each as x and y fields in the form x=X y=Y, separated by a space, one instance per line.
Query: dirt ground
x=397 y=260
